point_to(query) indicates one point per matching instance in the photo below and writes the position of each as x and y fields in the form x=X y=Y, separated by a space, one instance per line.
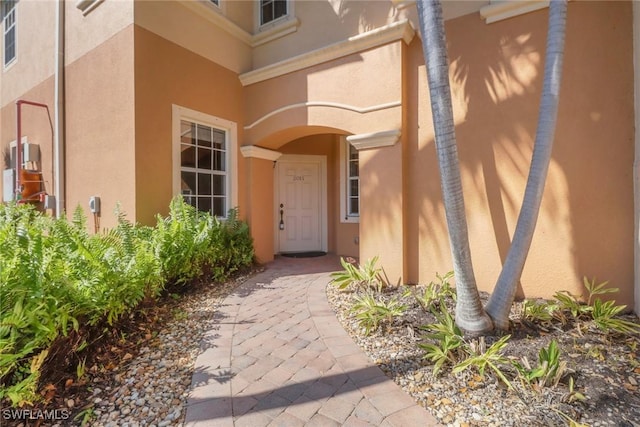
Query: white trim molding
x=401 y=30
x=325 y=104
x=504 y=9
x=253 y=151
x=215 y=15
x=365 y=141
x=284 y=27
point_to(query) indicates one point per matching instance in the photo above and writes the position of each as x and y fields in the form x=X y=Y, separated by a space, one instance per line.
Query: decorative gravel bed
x=605 y=369
x=151 y=388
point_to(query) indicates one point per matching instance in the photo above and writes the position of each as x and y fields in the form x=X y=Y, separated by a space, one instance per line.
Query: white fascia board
x=401 y=30
x=365 y=141
x=253 y=151
x=500 y=10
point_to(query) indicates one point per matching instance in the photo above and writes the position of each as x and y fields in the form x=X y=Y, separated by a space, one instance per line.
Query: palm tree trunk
x=470 y=316
x=502 y=297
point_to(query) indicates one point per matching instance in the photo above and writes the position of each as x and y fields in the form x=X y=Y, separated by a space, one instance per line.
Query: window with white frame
x=204 y=161
x=216 y=2
x=9 y=31
x=350 y=183
x=271 y=10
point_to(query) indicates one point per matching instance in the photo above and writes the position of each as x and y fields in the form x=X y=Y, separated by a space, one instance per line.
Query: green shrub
x=54 y=276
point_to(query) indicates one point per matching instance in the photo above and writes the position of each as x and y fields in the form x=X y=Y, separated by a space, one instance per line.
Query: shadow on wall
x=496 y=83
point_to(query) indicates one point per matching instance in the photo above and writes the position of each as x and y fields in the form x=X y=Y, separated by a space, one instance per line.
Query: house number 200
x=298 y=178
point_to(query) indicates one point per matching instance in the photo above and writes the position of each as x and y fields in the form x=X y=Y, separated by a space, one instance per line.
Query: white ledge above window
x=253 y=151
x=87 y=6
x=400 y=30
x=284 y=27
x=365 y=141
x=500 y=10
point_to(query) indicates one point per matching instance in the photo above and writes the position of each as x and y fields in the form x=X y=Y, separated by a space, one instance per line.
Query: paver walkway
x=279 y=357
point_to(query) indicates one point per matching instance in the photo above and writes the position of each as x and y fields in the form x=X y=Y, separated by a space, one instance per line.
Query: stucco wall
x=341 y=20
x=193 y=30
x=586 y=219
x=86 y=32
x=347 y=81
x=100 y=128
x=167 y=74
x=35 y=54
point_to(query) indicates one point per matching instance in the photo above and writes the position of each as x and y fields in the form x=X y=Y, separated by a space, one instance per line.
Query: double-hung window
x=350 y=182
x=9 y=31
x=203 y=161
x=271 y=10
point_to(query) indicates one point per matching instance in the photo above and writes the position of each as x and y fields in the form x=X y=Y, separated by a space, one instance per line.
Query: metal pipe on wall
x=59 y=99
x=19 y=103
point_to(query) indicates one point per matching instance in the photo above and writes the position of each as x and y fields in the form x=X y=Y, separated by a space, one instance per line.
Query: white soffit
x=499 y=10
x=401 y=30
x=253 y=151
x=365 y=141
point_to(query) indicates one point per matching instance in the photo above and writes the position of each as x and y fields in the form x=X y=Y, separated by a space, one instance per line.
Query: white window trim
x=276 y=23
x=344 y=181
x=179 y=113
x=6 y=66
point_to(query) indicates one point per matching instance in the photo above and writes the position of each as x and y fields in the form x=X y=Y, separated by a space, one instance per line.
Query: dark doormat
x=309 y=254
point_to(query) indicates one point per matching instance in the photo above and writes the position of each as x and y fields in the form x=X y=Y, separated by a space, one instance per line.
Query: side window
x=271 y=10
x=9 y=31
x=349 y=183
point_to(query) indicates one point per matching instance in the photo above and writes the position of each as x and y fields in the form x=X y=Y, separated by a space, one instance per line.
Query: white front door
x=300 y=203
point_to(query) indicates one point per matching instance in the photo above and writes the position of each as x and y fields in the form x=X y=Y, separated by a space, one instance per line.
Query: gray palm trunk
x=503 y=295
x=470 y=316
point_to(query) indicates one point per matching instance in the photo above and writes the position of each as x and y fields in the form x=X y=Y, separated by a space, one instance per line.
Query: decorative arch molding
x=328 y=104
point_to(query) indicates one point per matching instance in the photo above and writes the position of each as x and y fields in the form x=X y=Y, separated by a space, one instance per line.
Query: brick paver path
x=279 y=357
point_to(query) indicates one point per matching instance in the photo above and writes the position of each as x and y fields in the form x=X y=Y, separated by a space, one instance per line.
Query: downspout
x=636 y=162
x=59 y=116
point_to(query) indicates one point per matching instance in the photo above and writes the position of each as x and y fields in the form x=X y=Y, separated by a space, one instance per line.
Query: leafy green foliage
x=434 y=292
x=371 y=311
x=549 y=371
x=603 y=314
x=603 y=317
x=363 y=277
x=55 y=276
x=445 y=338
x=541 y=312
x=492 y=358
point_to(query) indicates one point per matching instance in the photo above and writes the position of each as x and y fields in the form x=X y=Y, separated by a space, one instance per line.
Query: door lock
x=281 y=226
